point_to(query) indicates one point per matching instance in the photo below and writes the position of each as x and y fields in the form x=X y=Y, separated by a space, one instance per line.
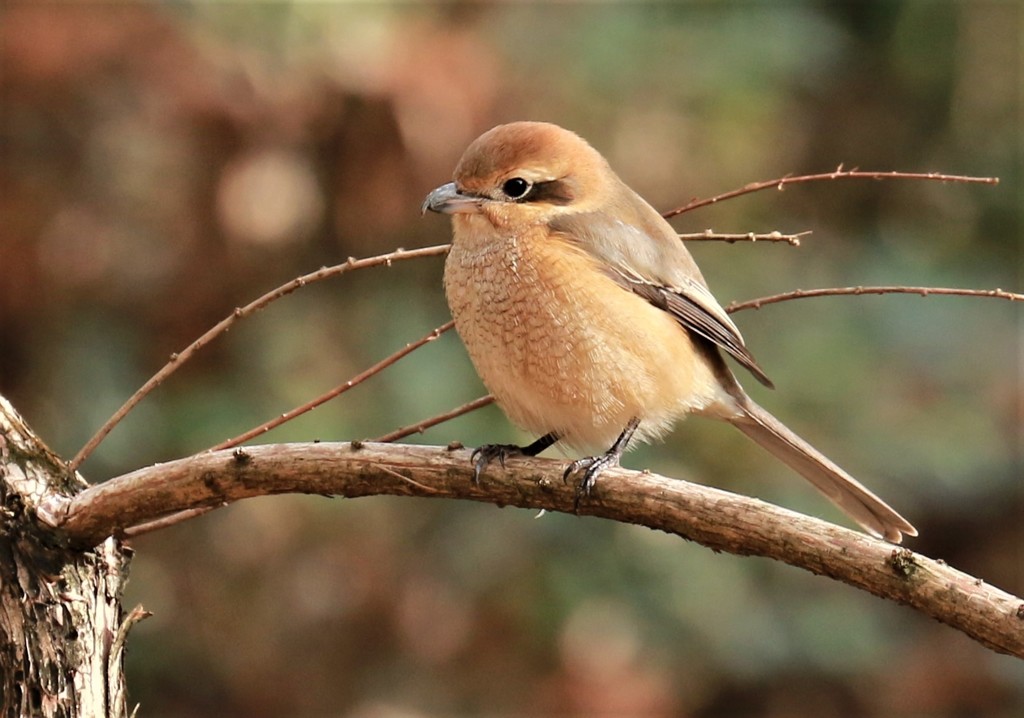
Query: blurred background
x=163 y=163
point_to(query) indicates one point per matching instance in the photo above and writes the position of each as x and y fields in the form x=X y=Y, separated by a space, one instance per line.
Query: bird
x=590 y=322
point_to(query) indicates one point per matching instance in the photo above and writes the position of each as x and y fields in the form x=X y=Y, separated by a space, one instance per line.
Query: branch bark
x=714 y=518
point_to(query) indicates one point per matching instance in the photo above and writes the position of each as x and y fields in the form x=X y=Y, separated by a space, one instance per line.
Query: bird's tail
x=860 y=504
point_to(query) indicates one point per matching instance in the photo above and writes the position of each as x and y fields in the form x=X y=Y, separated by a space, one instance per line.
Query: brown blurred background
x=163 y=163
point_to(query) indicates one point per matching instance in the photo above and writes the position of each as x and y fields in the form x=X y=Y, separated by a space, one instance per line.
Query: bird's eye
x=516 y=188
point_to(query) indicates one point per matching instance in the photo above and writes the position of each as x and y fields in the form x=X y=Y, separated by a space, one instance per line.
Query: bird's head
x=525 y=172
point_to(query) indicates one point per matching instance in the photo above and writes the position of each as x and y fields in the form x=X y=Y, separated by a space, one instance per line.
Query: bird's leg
x=592 y=466
x=489 y=452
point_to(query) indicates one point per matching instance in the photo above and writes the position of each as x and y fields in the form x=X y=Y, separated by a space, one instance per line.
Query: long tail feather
x=858 y=502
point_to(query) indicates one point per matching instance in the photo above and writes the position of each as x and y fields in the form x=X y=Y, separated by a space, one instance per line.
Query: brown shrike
x=588 y=319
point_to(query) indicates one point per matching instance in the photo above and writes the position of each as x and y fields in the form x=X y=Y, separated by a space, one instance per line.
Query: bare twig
x=166 y=521
x=340 y=389
x=839 y=173
x=483 y=401
x=775 y=236
x=844 y=291
x=421 y=426
x=180 y=358
x=115 y=660
x=714 y=518
x=733 y=307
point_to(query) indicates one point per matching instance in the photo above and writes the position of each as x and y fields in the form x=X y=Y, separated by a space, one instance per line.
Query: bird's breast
x=563 y=347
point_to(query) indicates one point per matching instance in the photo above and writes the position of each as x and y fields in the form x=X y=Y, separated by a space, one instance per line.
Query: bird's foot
x=488 y=453
x=588 y=468
x=592 y=466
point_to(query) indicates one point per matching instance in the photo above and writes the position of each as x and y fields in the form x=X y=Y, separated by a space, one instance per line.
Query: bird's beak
x=448 y=200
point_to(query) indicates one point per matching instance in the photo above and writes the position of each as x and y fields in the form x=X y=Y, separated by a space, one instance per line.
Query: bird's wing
x=661 y=270
x=694 y=315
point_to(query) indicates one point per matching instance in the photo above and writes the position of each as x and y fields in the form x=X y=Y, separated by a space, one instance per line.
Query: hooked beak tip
x=447 y=199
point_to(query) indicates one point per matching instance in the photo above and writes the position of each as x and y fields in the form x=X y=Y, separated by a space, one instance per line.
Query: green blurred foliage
x=164 y=163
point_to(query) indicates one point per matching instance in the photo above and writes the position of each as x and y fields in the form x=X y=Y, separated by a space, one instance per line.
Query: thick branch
x=717 y=519
x=59 y=608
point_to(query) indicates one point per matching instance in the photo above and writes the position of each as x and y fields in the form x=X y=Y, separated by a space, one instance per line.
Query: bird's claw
x=487 y=453
x=589 y=468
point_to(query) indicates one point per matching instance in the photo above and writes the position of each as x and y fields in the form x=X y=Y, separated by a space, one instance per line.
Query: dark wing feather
x=695 y=318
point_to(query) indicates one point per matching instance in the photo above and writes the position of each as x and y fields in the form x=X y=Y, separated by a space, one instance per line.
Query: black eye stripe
x=552 y=192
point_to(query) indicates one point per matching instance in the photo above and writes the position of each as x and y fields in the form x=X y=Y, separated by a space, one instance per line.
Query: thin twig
x=839 y=173
x=844 y=291
x=118 y=700
x=340 y=389
x=421 y=426
x=709 y=236
x=180 y=358
x=483 y=401
x=406 y=479
x=156 y=524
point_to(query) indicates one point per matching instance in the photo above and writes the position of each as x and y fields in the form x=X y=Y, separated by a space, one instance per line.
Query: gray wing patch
x=643 y=254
